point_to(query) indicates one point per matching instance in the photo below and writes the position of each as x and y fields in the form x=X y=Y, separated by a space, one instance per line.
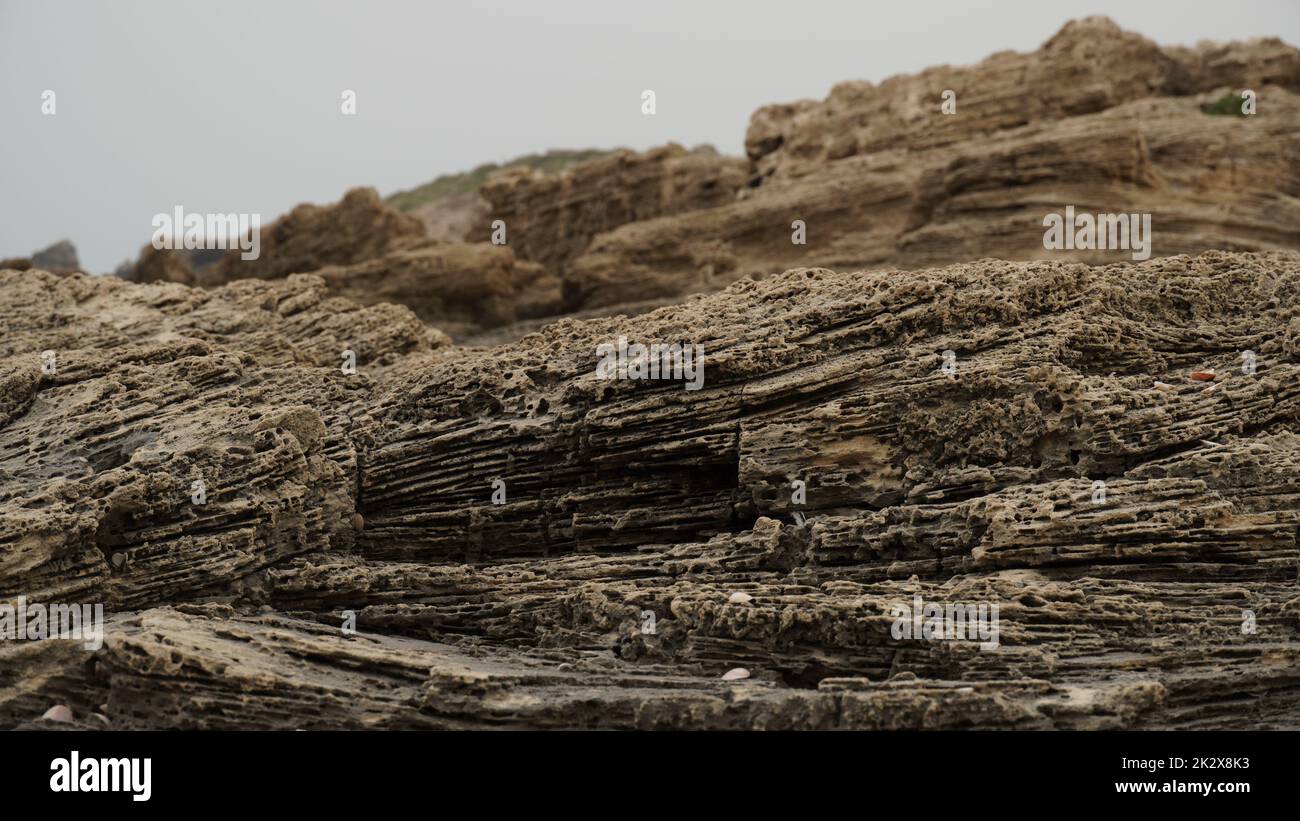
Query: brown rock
x=457 y=286
x=882 y=178
x=357 y=228
x=550 y=218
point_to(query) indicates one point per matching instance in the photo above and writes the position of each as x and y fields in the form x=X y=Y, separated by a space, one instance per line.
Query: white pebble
x=740 y=598
x=735 y=674
x=59 y=712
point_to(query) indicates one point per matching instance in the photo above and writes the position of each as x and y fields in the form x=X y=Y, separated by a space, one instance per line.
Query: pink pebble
x=59 y=712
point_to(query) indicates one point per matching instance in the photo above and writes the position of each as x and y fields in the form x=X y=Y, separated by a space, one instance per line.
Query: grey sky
x=234 y=105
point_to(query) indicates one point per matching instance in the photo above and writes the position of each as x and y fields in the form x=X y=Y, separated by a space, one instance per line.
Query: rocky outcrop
x=373 y=254
x=919 y=472
x=451 y=207
x=519 y=542
x=118 y=398
x=59 y=258
x=1207 y=182
x=879 y=176
x=948 y=165
x=551 y=218
x=459 y=286
x=358 y=228
x=1089 y=66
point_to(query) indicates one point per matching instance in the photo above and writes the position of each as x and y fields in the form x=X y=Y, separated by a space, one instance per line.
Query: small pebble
x=358 y=521
x=59 y=712
x=739 y=598
x=1206 y=375
x=1163 y=386
x=735 y=674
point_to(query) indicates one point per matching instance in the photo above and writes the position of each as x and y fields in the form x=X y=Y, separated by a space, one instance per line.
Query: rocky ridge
x=301 y=505
x=631 y=503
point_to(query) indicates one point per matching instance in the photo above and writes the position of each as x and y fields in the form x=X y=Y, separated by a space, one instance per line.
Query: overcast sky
x=234 y=106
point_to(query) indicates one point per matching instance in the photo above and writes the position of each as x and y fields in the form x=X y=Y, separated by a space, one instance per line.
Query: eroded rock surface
x=879 y=176
x=876 y=176
x=650 y=538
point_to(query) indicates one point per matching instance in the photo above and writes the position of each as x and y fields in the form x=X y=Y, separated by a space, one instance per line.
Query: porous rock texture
x=645 y=539
x=1098 y=118
x=876 y=176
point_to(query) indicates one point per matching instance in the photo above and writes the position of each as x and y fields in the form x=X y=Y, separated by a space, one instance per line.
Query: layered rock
x=451 y=206
x=1089 y=66
x=879 y=176
x=1207 y=182
x=302 y=507
x=163 y=442
x=551 y=218
x=1058 y=373
x=647 y=538
x=875 y=176
x=358 y=228
x=461 y=287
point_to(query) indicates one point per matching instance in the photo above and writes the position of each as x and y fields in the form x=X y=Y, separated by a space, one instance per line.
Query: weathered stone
x=648 y=540
x=881 y=178
x=1054 y=493
x=551 y=218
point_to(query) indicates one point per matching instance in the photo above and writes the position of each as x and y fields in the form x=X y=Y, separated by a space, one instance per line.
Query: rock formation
x=554 y=217
x=629 y=504
x=883 y=178
x=920 y=472
x=451 y=207
x=877 y=176
x=59 y=258
x=374 y=254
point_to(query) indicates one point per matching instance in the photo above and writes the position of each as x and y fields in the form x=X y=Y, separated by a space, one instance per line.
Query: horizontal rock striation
x=944 y=166
x=1098 y=118
x=833 y=470
x=552 y=217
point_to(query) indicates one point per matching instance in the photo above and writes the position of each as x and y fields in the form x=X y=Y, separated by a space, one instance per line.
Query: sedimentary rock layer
x=553 y=217
x=948 y=165
x=881 y=176
x=834 y=467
